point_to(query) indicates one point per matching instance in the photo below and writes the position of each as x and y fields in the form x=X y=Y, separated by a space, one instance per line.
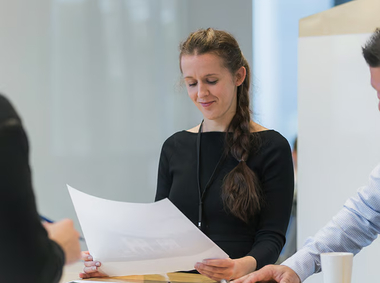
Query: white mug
x=336 y=267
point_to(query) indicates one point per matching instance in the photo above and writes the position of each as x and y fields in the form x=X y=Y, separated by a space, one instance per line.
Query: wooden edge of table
x=71 y=272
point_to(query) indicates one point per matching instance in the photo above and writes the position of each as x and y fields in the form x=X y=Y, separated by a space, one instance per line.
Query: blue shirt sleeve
x=355 y=226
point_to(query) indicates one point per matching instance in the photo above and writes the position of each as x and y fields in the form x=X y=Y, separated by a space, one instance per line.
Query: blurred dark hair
x=371 y=50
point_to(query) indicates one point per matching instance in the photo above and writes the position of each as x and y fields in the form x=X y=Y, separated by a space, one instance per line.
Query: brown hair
x=241 y=188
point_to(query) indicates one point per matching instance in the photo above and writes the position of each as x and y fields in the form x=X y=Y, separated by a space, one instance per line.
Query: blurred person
x=230 y=176
x=30 y=251
x=355 y=226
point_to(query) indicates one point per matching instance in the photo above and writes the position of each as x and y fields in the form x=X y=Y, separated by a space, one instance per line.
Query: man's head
x=371 y=50
x=371 y=53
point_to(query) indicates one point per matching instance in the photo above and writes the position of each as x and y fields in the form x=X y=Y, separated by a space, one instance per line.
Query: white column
x=275 y=37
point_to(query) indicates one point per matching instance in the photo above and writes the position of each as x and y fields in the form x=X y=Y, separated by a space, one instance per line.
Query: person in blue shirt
x=355 y=226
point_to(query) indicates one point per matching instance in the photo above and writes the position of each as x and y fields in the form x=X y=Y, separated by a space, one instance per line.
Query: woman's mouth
x=206 y=104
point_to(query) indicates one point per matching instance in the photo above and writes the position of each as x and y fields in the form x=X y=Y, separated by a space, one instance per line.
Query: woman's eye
x=212 y=82
x=192 y=84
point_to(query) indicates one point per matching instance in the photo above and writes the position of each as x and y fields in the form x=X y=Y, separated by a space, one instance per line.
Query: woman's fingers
x=227 y=262
x=86 y=256
x=90 y=269
x=216 y=269
x=92 y=263
x=91 y=275
x=208 y=268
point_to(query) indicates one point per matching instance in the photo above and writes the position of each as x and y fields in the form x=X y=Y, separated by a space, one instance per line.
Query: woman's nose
x=202 y=90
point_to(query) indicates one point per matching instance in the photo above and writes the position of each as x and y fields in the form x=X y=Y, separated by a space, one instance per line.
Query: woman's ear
x=240 y=76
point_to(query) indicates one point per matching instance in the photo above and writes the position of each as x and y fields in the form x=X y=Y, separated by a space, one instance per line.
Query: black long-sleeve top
x=264 y=236
x=26 y=252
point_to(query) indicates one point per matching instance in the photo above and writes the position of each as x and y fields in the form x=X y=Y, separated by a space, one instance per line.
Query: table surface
x=71 y=272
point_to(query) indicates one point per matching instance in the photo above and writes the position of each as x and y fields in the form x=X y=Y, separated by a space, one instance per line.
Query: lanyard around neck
x=212 y=178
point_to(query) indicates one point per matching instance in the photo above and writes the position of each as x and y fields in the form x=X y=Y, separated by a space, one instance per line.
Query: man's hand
x=271 y=273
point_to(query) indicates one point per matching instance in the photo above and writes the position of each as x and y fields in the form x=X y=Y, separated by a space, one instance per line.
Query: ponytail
x=241 y=188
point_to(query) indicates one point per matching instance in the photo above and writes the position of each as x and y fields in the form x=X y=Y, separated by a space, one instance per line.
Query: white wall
x=96 y=83
x=225 y=15
x=339 y=135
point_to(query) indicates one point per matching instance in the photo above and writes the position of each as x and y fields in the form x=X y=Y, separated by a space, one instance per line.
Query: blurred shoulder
x=8 y=113
x=272 y=139
x=179 y=138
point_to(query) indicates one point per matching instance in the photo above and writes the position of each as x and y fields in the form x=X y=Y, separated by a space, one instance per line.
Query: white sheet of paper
x=140 y=238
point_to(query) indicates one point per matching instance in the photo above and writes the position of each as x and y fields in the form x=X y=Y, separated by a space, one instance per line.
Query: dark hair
x=241 y=187
x=371 y=50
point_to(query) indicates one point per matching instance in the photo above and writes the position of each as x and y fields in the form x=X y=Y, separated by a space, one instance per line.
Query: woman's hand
x=218 y=269
x=90 y=267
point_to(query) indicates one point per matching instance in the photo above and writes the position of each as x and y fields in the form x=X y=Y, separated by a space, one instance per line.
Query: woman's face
x=211 y=86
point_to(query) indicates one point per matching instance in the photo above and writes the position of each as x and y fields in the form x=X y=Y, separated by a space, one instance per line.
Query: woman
x=230 y=176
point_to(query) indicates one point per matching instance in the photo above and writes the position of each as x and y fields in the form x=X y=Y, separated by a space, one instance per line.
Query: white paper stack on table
x=140 y=238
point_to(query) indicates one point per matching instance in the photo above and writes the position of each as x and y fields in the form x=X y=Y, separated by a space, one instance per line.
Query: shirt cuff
x=303 y=263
